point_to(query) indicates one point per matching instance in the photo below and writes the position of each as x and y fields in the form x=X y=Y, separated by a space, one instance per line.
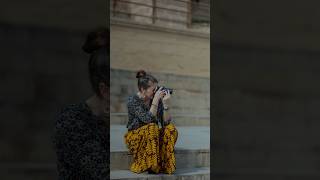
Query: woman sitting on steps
x=152 y=147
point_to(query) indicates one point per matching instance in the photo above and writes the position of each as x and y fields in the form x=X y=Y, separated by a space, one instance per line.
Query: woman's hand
x=165 y=99
x=165 y=102
x=158 y=95
x=166 y=96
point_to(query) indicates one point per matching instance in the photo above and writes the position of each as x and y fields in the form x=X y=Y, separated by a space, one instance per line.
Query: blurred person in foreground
x=81 y=136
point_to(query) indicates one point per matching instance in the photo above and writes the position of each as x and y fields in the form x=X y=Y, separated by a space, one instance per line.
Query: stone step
x=180 y=174
x=192 y=147
x=178 y=120
x=184 y=159
x=196 y=106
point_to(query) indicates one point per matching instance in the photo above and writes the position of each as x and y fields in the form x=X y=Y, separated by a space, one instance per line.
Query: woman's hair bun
x=141 y=73
x=96 y=39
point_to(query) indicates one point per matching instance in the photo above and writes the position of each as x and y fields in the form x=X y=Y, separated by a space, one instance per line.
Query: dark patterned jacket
x=139 y=114
x=81 y=142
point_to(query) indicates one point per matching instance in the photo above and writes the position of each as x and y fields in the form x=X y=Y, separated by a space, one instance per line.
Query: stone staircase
x=192 y=148
x=192 y=152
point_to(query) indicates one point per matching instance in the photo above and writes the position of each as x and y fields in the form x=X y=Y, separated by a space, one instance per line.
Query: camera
x=164 y=89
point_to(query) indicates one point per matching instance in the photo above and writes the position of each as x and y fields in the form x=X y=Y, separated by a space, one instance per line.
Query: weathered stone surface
x=191 y=95
x=156 y=51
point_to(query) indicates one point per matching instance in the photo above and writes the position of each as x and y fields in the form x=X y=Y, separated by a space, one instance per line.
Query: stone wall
x=134 y=48
x=190 y=103
x=179 y=61
x=143 y=11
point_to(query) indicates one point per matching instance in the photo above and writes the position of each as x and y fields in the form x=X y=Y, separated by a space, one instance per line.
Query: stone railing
x=167 y=13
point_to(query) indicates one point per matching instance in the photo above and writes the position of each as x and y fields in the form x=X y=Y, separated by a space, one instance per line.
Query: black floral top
x=81 y=141
x=139 y=114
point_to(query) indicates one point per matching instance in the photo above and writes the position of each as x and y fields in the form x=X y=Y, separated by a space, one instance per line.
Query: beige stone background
x=178 y=59
x=158 y=51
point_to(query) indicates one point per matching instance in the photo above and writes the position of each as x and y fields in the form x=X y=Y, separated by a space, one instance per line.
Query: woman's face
x=149 y=92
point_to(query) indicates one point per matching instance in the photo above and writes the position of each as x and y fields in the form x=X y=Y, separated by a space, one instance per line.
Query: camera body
x=164 y=89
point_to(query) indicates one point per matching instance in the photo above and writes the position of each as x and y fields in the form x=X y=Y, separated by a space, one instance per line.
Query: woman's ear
x=104 y=90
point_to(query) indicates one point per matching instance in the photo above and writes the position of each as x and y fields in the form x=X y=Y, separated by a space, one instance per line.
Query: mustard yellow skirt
x=152 y=148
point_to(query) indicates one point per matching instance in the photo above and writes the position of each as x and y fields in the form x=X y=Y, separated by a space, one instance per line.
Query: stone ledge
x=201 y=33
x=185 y=158
x=180 y=174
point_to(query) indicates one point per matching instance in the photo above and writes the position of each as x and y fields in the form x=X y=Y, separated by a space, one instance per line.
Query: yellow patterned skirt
x=152 y=148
